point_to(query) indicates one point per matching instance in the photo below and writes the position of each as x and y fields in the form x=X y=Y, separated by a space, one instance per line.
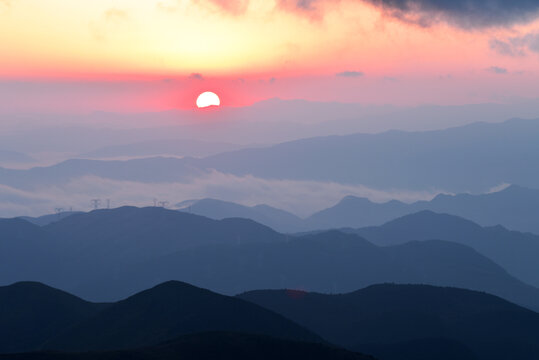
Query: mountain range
x=107 y=255
x=515 y=207
x=515 y=251
x=406 y=322
x=444 y=160
x=37 y=317
x=177 y=320
x=209 y=346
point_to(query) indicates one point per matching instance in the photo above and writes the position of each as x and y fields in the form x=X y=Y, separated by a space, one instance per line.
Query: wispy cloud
x=516 y=46
x=350 y=74
x=497 y=70
x=109 y=20
x=467 y=14
x=196 y=76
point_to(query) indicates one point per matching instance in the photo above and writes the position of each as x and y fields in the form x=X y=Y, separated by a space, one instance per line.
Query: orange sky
x=254 y=47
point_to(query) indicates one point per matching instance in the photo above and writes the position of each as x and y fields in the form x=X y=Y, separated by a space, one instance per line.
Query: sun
x=207 y=99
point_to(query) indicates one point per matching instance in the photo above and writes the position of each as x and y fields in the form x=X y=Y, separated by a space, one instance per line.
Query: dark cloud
x=351 y=74
x=497 y=70
x=468 y=14
x=196 y=76
x=463 y=13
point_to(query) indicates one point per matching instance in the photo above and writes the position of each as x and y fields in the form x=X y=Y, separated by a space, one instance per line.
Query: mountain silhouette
x=442 y=159
x=31 y=312
x=330 y=262
x=515 y=207
x=210 y=346
x=277 y=219
x=107 y=255
x=48 y=219
x=38 y=317
x=514 y=251
x=169 y=310
x=413 y=321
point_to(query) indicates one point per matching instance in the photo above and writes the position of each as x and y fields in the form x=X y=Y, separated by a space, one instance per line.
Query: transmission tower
x=163 y=204
x=96 y=203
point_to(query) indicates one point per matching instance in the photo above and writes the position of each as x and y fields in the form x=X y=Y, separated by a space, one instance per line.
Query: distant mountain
x=32 y=312
x=65 y=253
x=515 y=207
x=22 y=249
x=277 y=219
x=413 y=321
x=13 y=157
x=514 y=251
x=156 y=169
x=211 y=346
x=178 y=147
x=48 y=219
x=443 y=159
x=329 y=262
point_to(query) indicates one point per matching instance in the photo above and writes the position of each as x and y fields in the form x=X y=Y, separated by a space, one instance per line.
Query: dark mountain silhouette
x=329 y=262
x=514 y=251
x=168 y=311
x=36 y=317
x=277 y=219
x=31 y=312
x=211 y=346
x=413 y=321
x=442 y=159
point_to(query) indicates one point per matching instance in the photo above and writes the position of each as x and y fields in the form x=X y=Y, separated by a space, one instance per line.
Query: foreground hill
x=514 y=251
x=210 y=346
x=31 y=312
x=170 y=310
x=413 y=321
x=36 y=317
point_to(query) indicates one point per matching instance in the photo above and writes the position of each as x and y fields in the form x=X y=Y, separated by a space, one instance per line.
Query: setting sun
x=207 y=99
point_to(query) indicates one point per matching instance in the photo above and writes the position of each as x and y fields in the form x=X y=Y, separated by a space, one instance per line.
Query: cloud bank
x=299 y=197
x=466 y=14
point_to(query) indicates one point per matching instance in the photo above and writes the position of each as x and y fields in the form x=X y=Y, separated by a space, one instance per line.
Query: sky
x=72 y=56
